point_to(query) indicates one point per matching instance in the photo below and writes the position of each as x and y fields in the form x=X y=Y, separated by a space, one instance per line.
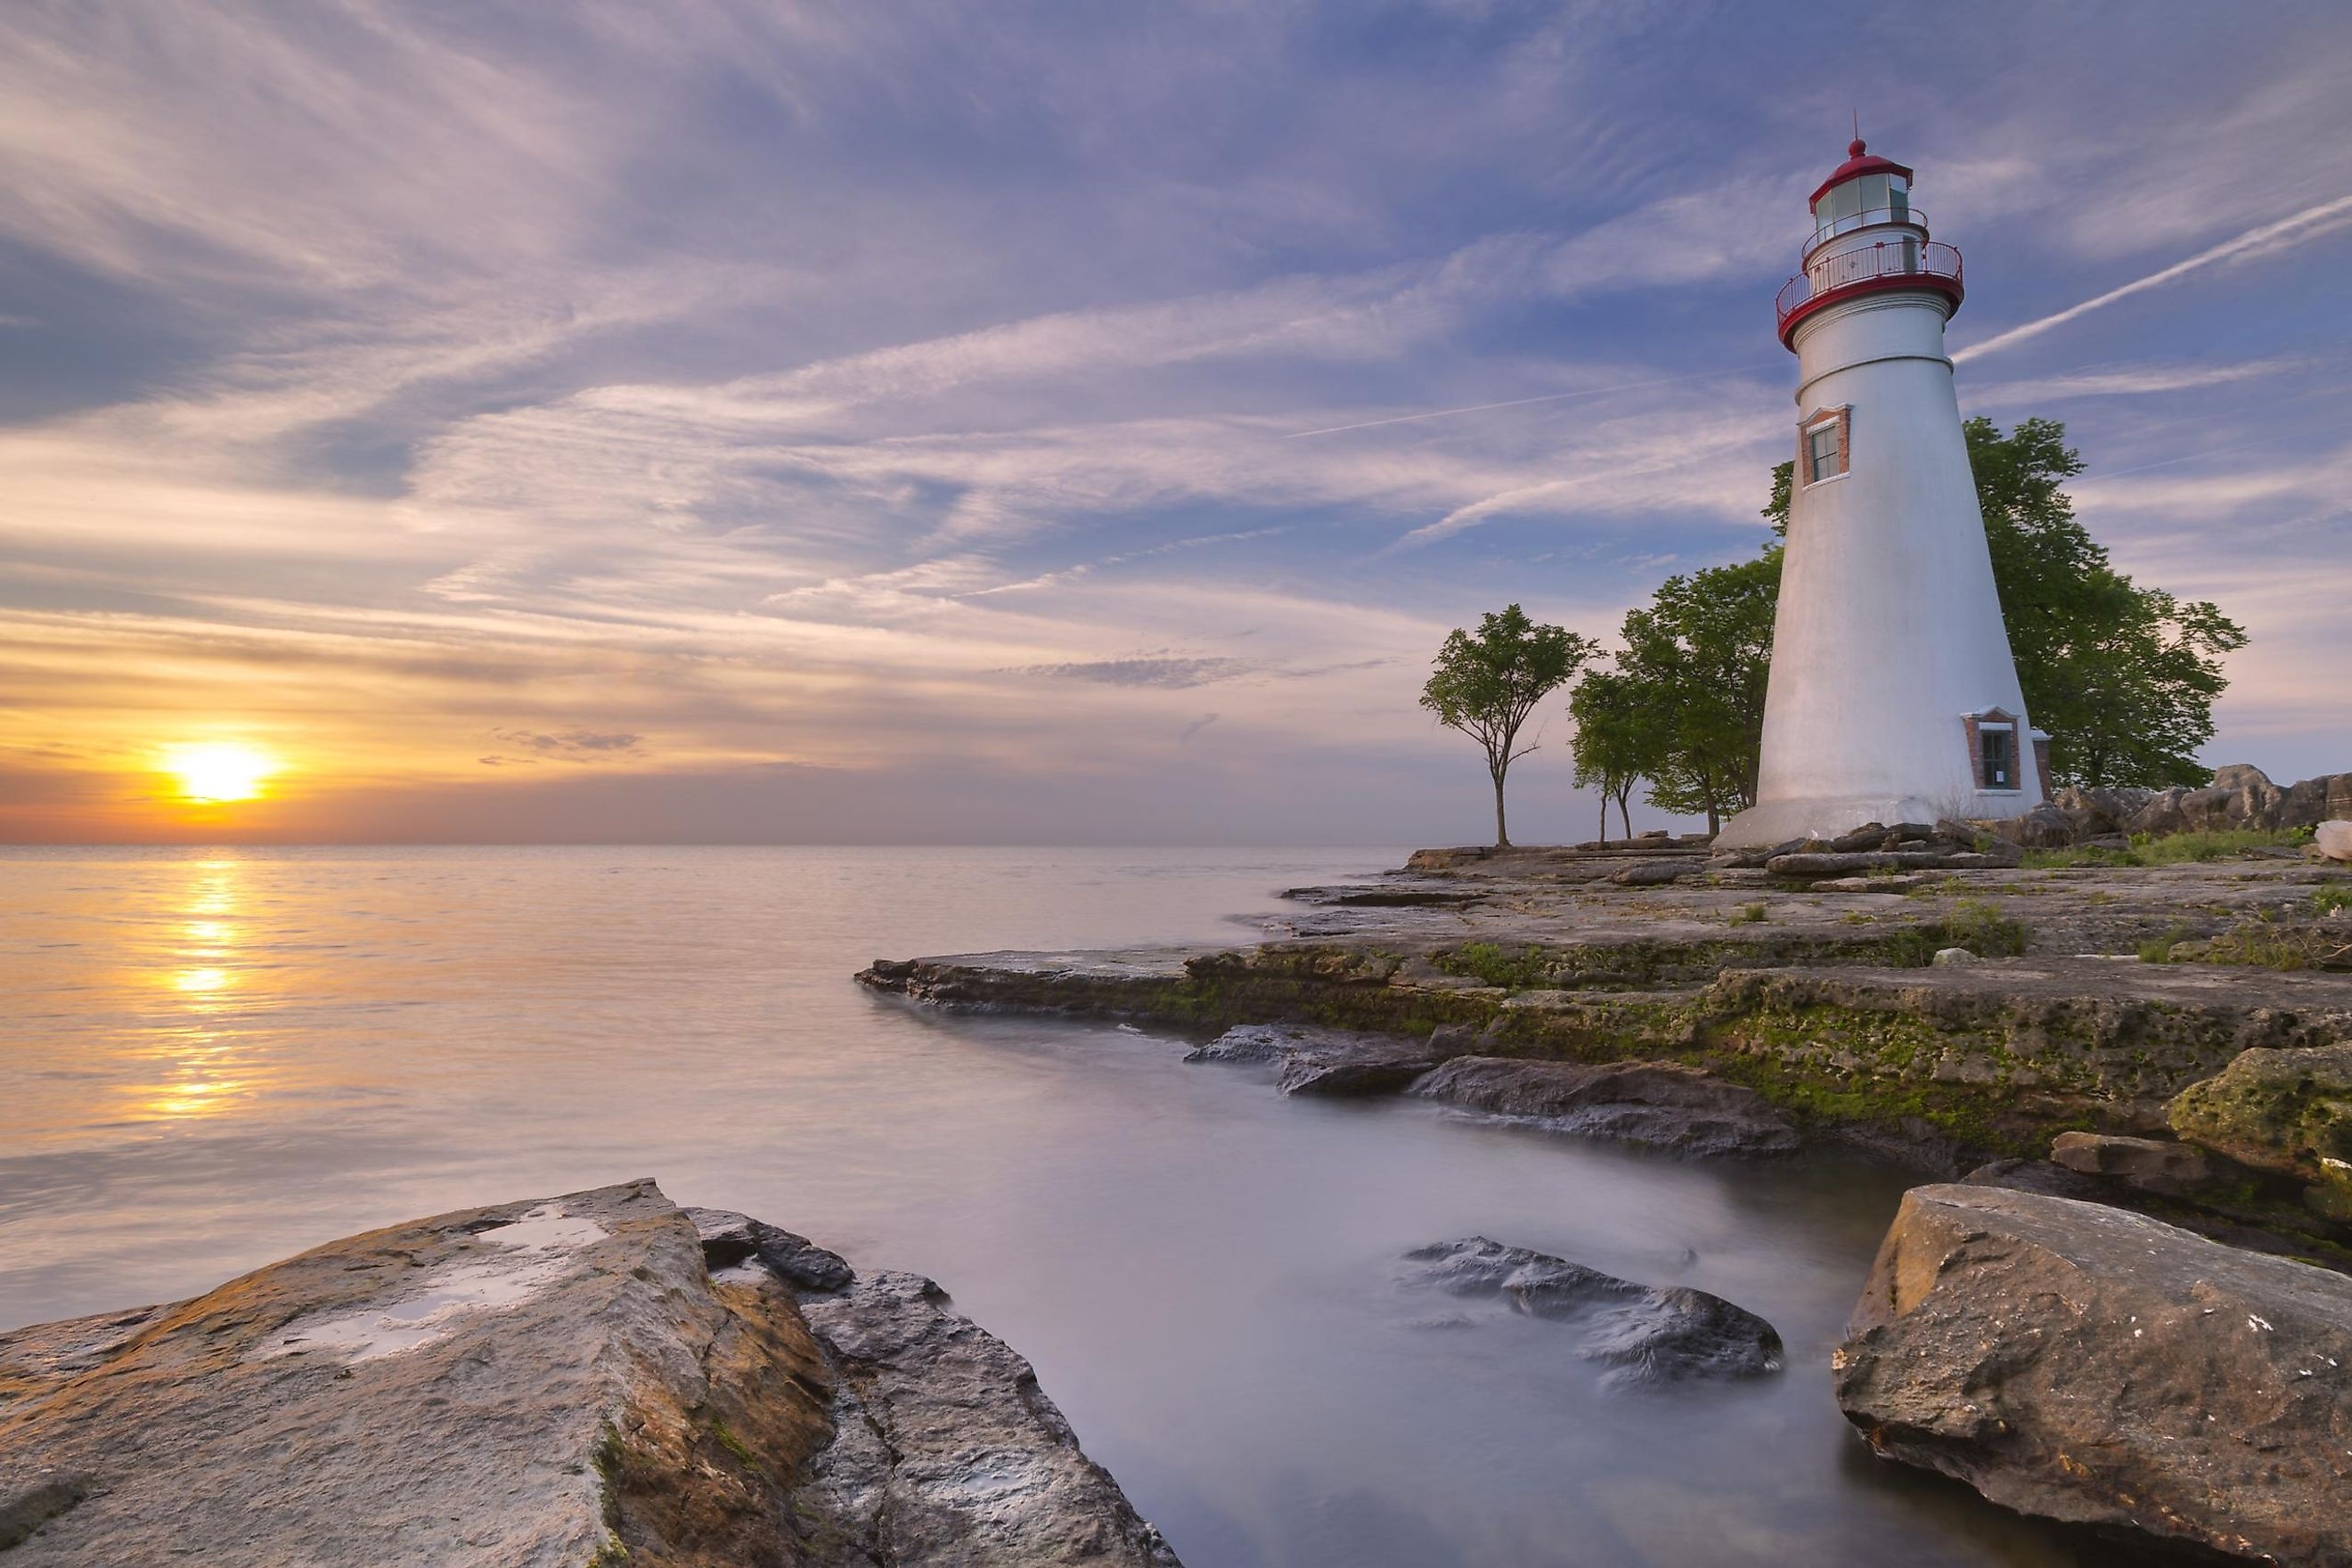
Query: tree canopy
x=1487 y=684
x=1694 y=662
x=2122 y=677
x=1614 y=742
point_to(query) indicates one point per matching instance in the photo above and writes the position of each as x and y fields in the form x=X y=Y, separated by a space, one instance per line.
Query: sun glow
x=217 y=770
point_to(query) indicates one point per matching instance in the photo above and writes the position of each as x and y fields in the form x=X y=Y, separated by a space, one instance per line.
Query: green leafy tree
x=2122 y=677
x=1616 y=741
x=1695 y=665
x=1488 y=684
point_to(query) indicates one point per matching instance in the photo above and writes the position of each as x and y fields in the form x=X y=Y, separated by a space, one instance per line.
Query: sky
x=1056 y=423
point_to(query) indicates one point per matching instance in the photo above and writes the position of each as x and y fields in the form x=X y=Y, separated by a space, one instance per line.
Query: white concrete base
x=1777 y=821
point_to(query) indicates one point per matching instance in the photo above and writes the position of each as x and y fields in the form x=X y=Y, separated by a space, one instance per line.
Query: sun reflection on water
x=195 y=1055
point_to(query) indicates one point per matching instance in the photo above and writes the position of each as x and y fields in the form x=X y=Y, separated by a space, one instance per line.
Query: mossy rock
x=2287 y=1111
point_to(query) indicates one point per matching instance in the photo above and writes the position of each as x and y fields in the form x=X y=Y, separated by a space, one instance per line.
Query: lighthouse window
x=1821 y=446
x=1821 y=453
x=1995 y=757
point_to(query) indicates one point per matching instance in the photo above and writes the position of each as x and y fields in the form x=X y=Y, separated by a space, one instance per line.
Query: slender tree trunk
x=1623 y=816
x=1604 y=816
x=1502 y=834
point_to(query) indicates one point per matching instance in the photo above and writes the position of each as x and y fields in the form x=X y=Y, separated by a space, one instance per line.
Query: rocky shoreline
x=2144 y=1071
x=596 y=1379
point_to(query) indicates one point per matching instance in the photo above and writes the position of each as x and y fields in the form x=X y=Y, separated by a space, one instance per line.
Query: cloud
x=574 y=745
x=1175 y=674
x=1184 y=736
x=2134 y=380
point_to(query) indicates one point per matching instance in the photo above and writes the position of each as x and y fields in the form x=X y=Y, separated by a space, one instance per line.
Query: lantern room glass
x=1867 y=198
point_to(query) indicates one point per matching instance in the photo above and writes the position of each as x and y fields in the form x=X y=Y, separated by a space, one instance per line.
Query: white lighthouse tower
x=1893 y=695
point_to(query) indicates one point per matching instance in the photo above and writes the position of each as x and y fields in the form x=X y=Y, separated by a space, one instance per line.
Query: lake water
x=213 y=1059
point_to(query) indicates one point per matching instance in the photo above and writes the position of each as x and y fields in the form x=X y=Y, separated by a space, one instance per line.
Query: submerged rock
x=1249 y=1043
x=1351 y=1074
x=1647 y=1334
x=1333 y=1063
x=2092 y=1364
x=1661 y=1105
x=564 y=1382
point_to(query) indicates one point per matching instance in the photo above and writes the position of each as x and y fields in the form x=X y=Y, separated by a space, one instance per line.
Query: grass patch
x=734 y=1444
x=2158 y=949
x=1979 y=925
x=2171 y=848
x=1490 y=963
x=2264 y=943
x=2331 y=901
x=1748 y=914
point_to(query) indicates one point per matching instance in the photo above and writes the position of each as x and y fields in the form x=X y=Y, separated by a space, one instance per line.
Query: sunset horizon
x=527 y=429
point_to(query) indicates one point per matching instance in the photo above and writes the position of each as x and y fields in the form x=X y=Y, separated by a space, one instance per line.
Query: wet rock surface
x=2088 y=1363
x=596 y=1378
x=1659 y=1105
x=1330 y=1063
x=1648 y=1335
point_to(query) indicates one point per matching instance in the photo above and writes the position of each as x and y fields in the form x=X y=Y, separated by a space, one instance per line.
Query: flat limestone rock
x=581 y=1380
x=1647 y=1334
x=2090 y=1364
x=1660 y=1105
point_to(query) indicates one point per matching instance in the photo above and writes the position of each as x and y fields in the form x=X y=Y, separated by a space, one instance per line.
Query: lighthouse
x=1892 y=695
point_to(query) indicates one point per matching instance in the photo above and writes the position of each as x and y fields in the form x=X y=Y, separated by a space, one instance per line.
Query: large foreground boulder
x=1646 y=1334
x=1660 y=1105
x=595 y=1379
x=2090 y=1364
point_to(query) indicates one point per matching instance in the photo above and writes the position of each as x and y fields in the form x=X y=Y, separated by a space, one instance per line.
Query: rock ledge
x=594 y=1379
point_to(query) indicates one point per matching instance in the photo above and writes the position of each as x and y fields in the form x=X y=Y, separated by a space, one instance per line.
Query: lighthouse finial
x=1854 y=149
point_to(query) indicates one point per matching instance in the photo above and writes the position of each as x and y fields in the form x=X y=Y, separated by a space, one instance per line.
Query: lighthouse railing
x=1889 y=261
x=1869 y=217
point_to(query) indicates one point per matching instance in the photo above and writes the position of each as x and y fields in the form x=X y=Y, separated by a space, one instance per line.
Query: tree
x=1695 y=666
x=1486 y=686
x=2122 y=677
x=1615 y=741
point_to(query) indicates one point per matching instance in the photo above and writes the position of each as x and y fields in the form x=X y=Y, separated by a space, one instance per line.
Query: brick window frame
x=1841 y=417
x=1974 y=725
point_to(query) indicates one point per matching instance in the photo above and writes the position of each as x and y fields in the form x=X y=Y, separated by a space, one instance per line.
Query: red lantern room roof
x=1857 y=162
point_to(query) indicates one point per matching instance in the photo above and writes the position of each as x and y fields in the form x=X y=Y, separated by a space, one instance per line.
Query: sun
x=213 y=771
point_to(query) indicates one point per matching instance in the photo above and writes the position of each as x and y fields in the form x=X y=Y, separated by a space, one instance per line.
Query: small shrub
x=1748 y=914
x=2331 y=901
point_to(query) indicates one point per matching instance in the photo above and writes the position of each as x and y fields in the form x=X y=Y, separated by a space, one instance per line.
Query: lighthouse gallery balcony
x=1868 y=269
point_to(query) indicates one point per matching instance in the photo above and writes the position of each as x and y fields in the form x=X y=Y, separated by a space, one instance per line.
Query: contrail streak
x=1523 y=402
x=2316 y=220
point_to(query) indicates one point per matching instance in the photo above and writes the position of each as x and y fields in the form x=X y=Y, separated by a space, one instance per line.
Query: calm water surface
x=213 y=1059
